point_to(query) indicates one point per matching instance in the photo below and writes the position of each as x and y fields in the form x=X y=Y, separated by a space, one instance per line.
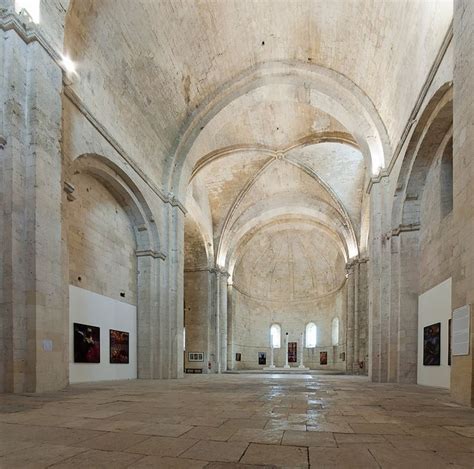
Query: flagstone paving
x=237 y=421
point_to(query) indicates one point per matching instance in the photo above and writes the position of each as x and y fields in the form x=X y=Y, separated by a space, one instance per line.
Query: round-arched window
x=275 y=335
x=311 y=335
x=335 y=331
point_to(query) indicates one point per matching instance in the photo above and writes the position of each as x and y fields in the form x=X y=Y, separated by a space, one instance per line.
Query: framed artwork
x=86 y=343
x=432 y=345
x=323 y=358
x=119 y=346
x=238 y=357
x=292 y=352
x=196 y=356
x=262 y=358
x=449 y=342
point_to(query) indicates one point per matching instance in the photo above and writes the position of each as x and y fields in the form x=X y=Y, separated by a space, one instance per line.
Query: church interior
x=237 y=233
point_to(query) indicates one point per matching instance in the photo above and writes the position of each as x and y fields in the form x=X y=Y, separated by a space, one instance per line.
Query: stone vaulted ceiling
x=253 y=112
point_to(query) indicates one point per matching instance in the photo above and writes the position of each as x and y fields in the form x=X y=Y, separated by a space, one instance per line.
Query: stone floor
x=237 y=421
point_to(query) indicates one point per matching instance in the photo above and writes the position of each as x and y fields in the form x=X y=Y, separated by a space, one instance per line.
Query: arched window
x=275 y=335
x=311 y=335
x=335 y=331
x=32 y=7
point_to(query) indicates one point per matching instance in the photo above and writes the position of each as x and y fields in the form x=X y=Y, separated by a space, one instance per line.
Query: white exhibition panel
x=461 y=330
x=435 y=306
x=86 y=307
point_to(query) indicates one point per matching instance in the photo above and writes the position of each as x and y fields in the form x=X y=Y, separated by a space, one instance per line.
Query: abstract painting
x=432 y=345
x=86 y=343
x=119 y=346
x=262 y=358
x=323 y=358
x=450 y=333
x=292 y=352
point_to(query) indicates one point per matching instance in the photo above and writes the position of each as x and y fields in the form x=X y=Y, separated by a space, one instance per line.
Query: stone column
x=350 y=317
x=213 y=322
x=272 y=354
x=222 y=322
x=355 y=358
x=33 y=282
x=286 y=351
x=171 y=315
x=148 y=317
x=230 y=330
x=375 y=356
x=302 y=350
x=407 y=337
x=462 y=369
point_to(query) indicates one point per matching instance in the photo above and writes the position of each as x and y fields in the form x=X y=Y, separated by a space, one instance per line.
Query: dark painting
x=119 y=346
x=323 y=358
x=292 y=352
x=262 y=358
x=432 y=345
x=449 y=342
x=86 y=343
x=238 y=357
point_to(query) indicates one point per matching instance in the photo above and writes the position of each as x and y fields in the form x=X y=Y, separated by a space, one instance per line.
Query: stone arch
x=127 y=193
x=428 y=143
x=147 y=250
x=325 y=221
x=432 y=126
x=358 y=114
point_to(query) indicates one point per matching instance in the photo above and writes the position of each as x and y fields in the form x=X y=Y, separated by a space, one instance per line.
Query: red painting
x=292 y=352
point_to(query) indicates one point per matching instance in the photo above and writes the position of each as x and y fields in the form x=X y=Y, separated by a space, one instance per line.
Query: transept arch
x=358 y=114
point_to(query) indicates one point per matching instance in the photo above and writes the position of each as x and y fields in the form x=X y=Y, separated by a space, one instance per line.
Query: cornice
x=211 y=270
x=150 y=253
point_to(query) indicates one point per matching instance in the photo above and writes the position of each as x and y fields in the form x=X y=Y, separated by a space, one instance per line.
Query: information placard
x=460 y=327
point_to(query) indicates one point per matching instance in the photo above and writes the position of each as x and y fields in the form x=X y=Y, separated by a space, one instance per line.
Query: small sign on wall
x=461 y=330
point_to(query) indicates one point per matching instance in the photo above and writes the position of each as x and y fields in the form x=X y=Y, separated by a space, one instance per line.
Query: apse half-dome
x=284 y=262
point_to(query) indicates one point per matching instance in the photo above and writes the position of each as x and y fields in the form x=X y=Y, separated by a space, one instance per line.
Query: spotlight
x=68 y=65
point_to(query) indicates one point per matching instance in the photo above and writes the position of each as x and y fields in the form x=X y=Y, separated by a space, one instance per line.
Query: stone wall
x=252 y=321
x=101 y=242
x=462 y=383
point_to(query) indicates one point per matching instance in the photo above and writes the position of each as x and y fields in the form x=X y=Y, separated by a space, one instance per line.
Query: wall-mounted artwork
x=292 y=352
x=238 y=357
x=196 y=356
x=262 y=358
x=449 y=342
x=432 y=345
x=323 y=358
x=119 y=346
x=86 y=343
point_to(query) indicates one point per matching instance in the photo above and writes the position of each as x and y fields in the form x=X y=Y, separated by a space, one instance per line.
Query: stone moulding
x=416 y=109
x=150 y=253
x=82 y=108
x=29 y=33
